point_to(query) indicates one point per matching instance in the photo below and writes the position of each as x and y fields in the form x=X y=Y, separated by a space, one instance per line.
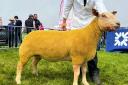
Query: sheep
x=77 y=46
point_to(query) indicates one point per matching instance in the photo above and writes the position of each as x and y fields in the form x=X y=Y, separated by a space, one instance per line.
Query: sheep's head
x=107 y=20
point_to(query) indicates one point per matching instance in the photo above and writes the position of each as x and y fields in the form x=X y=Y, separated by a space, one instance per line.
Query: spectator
x=11 y=32
x=41 y=27
x=18 y=35
x=29 y=23
x=36 y=22
x=1 y=21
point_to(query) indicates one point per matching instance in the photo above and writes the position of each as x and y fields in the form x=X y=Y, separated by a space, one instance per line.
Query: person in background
x=11 y=32
x=1 y=22
x=18 y=29
x=29 y=24
x=41 y=27
x=82 y=16
x=36 y=22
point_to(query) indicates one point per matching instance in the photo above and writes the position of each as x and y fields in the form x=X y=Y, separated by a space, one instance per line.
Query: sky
x=48 y=10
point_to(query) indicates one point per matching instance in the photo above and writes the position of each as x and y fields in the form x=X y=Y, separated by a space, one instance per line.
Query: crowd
x=15 y=28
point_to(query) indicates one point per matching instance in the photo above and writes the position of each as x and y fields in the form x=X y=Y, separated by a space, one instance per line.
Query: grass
x=113 y=70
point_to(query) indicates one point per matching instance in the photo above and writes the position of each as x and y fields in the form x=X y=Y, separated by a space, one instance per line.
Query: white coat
x=81 y=15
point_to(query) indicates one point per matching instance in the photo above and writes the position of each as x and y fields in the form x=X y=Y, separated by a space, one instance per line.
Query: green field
x=113 y=70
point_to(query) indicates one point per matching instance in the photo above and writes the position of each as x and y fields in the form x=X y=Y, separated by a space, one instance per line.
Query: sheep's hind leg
x=35 y=61
x=23 y=60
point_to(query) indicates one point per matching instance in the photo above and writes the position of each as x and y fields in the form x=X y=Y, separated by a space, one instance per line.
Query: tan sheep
x=78 y=46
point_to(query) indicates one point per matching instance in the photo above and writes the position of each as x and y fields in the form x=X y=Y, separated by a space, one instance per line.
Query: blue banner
x=117 y=40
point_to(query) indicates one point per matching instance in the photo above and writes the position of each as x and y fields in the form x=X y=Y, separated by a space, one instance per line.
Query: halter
x=99 y=27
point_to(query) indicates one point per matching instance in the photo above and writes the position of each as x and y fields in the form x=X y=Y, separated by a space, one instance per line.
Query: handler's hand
x=63 y=25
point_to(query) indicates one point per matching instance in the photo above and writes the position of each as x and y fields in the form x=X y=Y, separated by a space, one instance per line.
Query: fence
x=13 y=38
x=3 y=35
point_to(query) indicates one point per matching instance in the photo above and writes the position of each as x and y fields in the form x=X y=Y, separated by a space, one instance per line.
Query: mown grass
x=113 y=70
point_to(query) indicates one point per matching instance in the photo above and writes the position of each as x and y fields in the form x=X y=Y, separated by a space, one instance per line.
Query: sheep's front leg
x=76 y=69
x=84 y=69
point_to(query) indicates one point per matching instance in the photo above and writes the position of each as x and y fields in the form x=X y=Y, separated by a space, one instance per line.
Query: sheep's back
x=49 y=44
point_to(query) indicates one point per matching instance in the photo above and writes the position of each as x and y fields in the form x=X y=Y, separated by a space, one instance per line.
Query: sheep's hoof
x=75 y=83
x=85 y=83
x=35 y=73
x=18 y=81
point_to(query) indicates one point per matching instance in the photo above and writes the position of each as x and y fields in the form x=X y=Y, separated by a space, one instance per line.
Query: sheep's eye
x=103 y=15
x=114 y=12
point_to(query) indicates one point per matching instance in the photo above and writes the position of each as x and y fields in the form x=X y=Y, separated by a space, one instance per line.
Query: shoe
x=95 y=78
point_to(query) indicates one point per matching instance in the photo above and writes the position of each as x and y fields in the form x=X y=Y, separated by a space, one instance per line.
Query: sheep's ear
x=95 y=12
x=114 y=12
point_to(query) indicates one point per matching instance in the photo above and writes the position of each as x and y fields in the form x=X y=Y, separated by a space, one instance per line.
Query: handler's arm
x=99 y=5
x=66 y=10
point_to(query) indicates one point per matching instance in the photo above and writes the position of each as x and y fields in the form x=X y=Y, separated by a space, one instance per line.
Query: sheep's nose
x=118 y=24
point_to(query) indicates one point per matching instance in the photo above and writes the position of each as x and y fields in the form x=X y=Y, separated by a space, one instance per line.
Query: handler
x=81 y=16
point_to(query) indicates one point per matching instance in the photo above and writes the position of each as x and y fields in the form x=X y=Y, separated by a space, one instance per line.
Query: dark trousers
x=29 y=30
x=92 y=66
x=18 y=36
x=11 y=38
